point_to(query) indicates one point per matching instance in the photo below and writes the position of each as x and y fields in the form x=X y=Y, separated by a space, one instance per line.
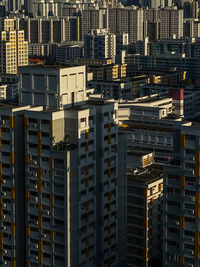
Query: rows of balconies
x=34 y=139
x=87 y=229
x=110 y=184
x=110 y=129
x=87 y=206
x=87 y=253
x=109 y=152
x=109 y=140
x=110 y=173
x=109 y=219
x=87 y=218
x=89 y=193
x=37 y=126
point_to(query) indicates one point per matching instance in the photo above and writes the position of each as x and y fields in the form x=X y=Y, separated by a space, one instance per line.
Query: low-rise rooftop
x=147 y=175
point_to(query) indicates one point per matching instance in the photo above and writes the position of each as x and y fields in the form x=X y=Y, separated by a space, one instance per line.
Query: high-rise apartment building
x=144 y=215
x=72 y=191
x=12 y=180
x=171 y=22
x=126 y=20
x=182 y=197
x=60 y=176
x=90 y=20
x=100 y=44
x=46 y=30
x=72 y=184
x=14 y=50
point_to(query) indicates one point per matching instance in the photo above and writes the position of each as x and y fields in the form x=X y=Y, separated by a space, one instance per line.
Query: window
x=83 y=119
x=45 y=122
x=189 y=193
x=190 y=137
x=189 y=179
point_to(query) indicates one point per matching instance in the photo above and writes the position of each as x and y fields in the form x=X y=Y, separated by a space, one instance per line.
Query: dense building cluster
x=99 y=133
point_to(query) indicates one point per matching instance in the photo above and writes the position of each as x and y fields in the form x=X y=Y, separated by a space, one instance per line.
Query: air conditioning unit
x=36 y=246
x=48 y=212
x=34 y=162
x=36 y=198
x=4 y=181
x=5 y=251
x=4 y=193
x=4 y=205
x=36 y=258
x=4 y=216
x=3 y=122
x=45 y=236
x=4 y=228
x=35 y=186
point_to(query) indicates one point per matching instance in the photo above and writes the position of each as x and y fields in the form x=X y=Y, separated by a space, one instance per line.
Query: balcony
x=58 y=202
x=174 y=236
x=59 y=239
x=46 y=189
x=33 y=199
x=32 y=126
x=47 y=260
x=32 y=151
x=46 y=201
x=59 y=190
x=6 y=136
x=190 y=143
x=33 y=139
x=46 y=225
x=189 y=199
x=189 y=225
x=33 y=211
x=7 y=182
x=46 y=152
x=59 y=263
x=45 y=165
x=59 y=251
x=46 y=140
x=5 y=148
x=45 y=127
x=59 y=214
x=34 y=235
x=8 y=252
x=7 y=240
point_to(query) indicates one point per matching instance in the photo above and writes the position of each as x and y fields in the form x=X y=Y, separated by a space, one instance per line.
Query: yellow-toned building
x=104 y=69
x=13 y=48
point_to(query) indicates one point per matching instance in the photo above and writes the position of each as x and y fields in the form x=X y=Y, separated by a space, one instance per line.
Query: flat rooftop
x=147 y=175
x=8 y=106
x=138 y=153
x=53 y=66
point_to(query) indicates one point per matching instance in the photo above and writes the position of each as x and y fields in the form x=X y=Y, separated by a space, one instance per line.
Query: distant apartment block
x=14 y=50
